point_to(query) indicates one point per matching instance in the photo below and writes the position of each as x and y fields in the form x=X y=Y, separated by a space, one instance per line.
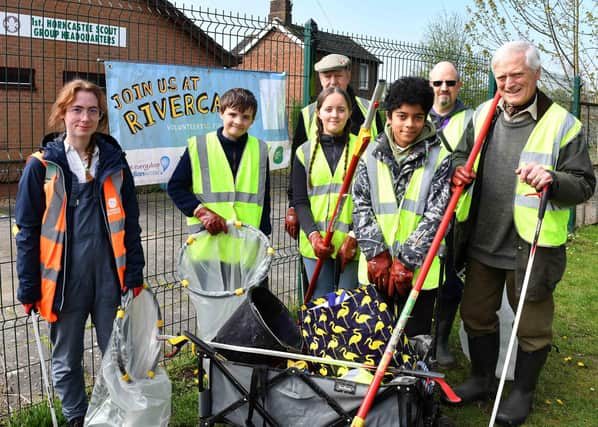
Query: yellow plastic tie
x=239 y=291
x=238 y=224
x=160 y=323
x=270 y=251
x=184 y=283
x=126 y=378
x=120 y=313
x=15 y=229
x=190 y=240
x=151 y=374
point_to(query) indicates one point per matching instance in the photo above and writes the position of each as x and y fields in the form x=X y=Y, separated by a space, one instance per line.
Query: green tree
x=445 y=39
x=565 y=31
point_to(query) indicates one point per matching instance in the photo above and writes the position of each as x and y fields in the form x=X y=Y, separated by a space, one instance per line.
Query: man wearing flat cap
x=333 y=70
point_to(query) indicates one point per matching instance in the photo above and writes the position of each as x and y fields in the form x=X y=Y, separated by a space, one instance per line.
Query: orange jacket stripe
x=53 y=231
x=116 y=222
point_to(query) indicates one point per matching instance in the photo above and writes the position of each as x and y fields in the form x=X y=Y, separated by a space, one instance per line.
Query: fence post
x=576 y=111
x=491 y=84
x=309 y=51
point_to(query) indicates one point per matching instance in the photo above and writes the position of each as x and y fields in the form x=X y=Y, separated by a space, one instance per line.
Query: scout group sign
x=153 y=109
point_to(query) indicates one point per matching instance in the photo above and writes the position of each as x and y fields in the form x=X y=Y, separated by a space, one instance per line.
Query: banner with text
x=154 y=108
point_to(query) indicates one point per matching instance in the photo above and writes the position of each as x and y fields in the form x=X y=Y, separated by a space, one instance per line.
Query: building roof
x=171 y=12
x=325 y=42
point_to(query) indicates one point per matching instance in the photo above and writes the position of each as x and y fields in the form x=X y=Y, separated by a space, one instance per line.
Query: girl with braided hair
x=318 y=172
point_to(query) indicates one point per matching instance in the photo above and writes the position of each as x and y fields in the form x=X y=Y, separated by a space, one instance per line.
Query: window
x=12 y=77
x=97 y=78
x=364 y=76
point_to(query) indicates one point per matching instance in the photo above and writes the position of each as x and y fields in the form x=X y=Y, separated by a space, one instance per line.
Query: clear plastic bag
x=131 y=389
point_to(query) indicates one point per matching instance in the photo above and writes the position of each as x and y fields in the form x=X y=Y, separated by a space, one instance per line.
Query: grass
x=566 y=394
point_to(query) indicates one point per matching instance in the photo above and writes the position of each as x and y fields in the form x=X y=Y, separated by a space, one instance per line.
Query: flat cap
x=333 y=61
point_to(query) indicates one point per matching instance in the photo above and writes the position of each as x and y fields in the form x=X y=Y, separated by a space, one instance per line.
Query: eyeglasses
x=93 y=113
x=449 y=83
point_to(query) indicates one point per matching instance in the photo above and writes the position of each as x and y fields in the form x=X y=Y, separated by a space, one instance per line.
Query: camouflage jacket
x=366 y=228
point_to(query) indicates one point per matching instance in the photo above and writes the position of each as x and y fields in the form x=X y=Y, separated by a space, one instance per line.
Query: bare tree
x=445 y=39
x=564 y=30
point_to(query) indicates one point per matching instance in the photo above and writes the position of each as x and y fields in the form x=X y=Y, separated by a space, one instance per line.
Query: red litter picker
x=359 y=419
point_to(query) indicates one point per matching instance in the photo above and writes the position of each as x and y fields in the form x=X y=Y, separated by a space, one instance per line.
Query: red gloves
x=400 y=279
x=462 y=177
x=28 y=308
x=291 y=223
x=213 y=222
x=379 y=270
x=347 y=251
x=317 y=242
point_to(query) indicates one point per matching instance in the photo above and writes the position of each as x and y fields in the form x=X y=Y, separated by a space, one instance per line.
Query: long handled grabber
x=528 y=270
x=363 y=139
x=359 y=420
x=208 y=347
x=42 y=361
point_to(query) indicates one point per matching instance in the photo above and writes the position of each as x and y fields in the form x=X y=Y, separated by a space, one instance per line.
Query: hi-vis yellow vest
x=323 y=194
x=398 y=221
x=555 y=129
x=453 y=131
x=238 y=198
x=309 y=118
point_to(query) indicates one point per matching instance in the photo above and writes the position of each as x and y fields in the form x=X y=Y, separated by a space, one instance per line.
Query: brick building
x=279 y=46
x=46 y=43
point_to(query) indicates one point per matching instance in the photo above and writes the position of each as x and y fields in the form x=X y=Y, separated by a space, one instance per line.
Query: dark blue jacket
x=31 y=204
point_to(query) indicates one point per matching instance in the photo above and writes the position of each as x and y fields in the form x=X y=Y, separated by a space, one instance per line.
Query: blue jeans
x=326 y=281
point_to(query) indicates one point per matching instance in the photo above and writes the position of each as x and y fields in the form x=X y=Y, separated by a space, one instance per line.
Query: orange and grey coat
x=42 y=217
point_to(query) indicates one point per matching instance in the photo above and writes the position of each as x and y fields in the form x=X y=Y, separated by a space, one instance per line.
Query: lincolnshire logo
x=11 y=24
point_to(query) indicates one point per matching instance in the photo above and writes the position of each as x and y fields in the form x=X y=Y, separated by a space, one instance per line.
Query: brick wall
x=151 y=37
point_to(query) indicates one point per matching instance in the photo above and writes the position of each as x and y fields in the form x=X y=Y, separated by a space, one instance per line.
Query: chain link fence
x=35 y=65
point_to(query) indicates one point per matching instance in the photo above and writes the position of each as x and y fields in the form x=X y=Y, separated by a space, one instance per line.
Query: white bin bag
x=130 y=389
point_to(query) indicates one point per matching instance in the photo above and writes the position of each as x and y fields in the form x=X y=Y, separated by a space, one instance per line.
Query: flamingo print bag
x=353 y=325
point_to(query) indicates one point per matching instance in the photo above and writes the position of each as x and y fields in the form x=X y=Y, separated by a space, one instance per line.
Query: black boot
x=514 y=409
x=446 y=316
x=481 y=385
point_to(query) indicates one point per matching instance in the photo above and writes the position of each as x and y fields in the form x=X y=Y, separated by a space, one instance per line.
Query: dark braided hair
x=320 y=127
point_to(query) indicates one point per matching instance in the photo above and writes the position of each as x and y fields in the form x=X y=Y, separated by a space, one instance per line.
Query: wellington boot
x=481 y=385
x=446 y=316
x=514 y=409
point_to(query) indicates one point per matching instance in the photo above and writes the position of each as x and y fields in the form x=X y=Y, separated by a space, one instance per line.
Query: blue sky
x=400 y=20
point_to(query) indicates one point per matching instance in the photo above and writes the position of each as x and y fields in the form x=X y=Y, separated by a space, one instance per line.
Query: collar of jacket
x=420 y=148
x=111 y=155
x=459 y=106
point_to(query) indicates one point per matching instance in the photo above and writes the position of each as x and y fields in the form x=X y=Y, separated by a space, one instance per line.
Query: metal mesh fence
x=35 y=66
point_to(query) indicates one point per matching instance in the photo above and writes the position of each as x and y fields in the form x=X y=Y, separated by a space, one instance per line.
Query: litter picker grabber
x=359 y=420
x=363 y=139
x=528 y=270
x=179 y=341
x=42 y=361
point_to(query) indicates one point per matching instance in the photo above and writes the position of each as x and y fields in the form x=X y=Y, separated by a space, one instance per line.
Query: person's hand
x=347 y=251
x=212 y=222
x=400 y=279
x=535 y=175
x=379 y=270
x=317 y=242
x=461 y=177
x=28 y=308
x=291 y=223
